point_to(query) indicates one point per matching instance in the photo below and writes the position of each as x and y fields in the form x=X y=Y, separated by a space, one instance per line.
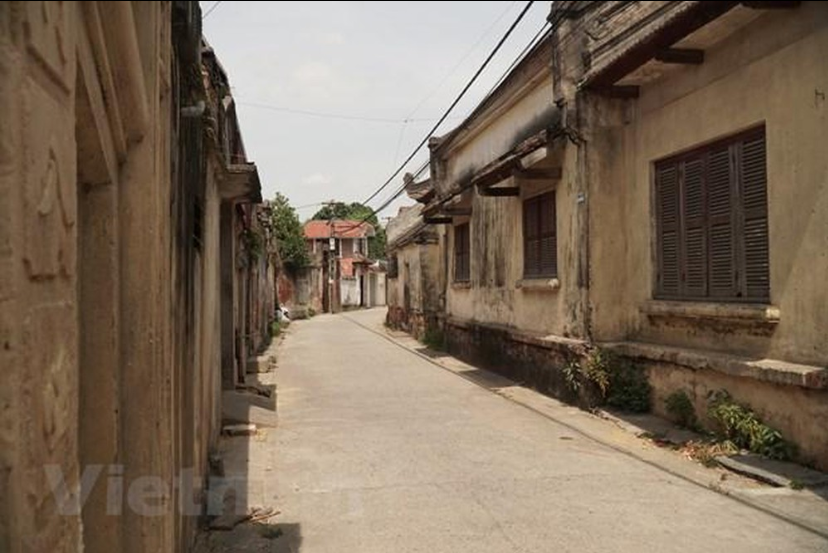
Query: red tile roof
x=342 y=228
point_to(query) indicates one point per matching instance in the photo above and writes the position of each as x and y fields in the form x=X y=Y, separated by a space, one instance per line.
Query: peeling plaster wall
x=494 y=294
x=109 y=323
x=771 y=72
x=415 y=295
x=528 y=115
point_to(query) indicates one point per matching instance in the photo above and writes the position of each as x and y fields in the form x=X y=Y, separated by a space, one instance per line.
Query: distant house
x=341 y=274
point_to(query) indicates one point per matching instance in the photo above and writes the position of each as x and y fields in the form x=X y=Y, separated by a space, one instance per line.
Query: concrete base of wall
x=800 y=413
x=528 y=360
x=413 y=322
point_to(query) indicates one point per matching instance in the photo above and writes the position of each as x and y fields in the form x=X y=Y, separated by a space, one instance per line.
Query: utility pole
x=331 y=261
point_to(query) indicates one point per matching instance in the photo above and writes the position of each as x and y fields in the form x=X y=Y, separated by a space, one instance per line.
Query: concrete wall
x=415 y=295
x=799 y=413
x=376 y=288
x=769 y=72
x=350 y=291
x=109 y=313
x=497 y=293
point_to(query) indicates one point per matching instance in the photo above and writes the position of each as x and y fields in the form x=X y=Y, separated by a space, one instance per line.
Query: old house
x=339 y=274
x=126 y=193
x=416 y=268
x=648 y=179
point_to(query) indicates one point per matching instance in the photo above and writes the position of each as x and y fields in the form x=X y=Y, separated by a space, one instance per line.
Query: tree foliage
x=359 y=212
x=289 y=234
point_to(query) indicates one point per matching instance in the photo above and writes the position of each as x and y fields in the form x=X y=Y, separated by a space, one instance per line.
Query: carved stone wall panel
x=49 y=405
x=49 y=39
x=9 y=167
x=50 y=198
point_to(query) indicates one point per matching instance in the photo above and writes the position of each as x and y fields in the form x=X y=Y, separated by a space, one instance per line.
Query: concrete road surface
x=378 y=450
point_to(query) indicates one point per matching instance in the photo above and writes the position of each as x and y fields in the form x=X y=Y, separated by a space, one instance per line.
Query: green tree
x=358 y=212
x=289 y=233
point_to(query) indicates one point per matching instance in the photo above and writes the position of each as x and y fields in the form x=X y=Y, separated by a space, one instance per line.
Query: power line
x=463 y=59
x=209 y=11
x=454 y=103
x=562 y=41
x=399 y=191
x=329 y=115
x=538 y=38
x=308 y=205
x=446 y=77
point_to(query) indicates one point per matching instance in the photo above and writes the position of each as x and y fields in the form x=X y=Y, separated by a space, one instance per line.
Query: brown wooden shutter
x=531 y=238
x=548 y=243
x=667 y=233
x=720 y=208
x=694 y=248
x=754 y=201
x=712 y=221
x=540 y=243
x=462 y=257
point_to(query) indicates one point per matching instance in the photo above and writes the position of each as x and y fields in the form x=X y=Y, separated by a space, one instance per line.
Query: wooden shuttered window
x=540 y=243
x=462 y=250
x=712 y=222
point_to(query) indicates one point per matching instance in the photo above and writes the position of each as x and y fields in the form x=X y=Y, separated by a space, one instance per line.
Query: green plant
x=572 y=375
x=289 y=234
x=615 y=381
x=253 y=243
x=681 y=409
x=311 y=312
x=275 y=328
x=596 y=367
x=629 y=388
x=739 y=425
x=434 y=338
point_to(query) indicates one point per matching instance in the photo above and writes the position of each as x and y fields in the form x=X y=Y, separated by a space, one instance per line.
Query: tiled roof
x=342 y=228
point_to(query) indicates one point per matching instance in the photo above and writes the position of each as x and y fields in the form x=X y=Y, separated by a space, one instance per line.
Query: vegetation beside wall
x=739 y=425
x=289 y=234
x=599 y=377
x=681 y=410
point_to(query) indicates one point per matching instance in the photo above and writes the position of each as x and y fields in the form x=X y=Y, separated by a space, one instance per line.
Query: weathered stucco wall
x=350 y=292
x=772 y=71
x=496 y=293
x=524 y=115
x=109 y=312
x=798 y=413
x=414 y=296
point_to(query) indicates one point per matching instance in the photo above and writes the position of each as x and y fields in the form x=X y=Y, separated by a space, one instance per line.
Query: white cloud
x=318 y=179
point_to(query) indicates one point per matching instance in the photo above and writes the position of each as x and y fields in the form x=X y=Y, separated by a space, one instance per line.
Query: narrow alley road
x=378 y=450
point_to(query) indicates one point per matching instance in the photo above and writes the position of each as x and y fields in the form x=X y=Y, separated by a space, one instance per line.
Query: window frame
x=535 y=234
x=462 y=255
x=704 y=277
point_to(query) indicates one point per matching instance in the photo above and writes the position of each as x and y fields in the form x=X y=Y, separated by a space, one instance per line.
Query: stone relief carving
x=47 y=29
x=50 y=401
x=49 y=198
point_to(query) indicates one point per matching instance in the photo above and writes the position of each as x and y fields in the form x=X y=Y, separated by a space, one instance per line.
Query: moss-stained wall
x=770 y=72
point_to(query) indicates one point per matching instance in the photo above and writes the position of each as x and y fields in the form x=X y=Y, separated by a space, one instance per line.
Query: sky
x=333 y=96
